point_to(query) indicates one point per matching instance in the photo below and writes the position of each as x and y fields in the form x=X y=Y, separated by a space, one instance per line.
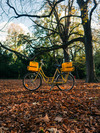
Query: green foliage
x=18 y=69
x=49 y=67
x=10 y=68
x=80 y=67
x=50 y=60
x=4 y=63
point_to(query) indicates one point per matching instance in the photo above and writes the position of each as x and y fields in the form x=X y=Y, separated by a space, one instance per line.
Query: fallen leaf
x=65 y=111
x=45 y=118
x=53 y=130
x=58 y=118
x=72 y=131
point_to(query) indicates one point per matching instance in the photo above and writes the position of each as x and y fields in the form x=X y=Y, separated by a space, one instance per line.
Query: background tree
x=60 y=25
x=86 y=16
x=61 y=28
x=12 y=65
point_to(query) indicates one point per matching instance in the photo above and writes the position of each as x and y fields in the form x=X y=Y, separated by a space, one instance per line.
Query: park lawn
x=75 y=111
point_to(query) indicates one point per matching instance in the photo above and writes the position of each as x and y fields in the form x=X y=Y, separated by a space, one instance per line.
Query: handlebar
x=42 y=63
x=56 y=65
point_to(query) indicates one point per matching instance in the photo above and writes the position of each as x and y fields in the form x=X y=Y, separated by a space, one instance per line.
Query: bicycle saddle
x=57 y=65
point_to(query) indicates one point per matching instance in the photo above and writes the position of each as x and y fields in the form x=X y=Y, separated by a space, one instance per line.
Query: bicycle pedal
x=51 y=87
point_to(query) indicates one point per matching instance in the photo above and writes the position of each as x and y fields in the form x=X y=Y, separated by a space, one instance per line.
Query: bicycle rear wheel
x=32 y=81
x=65 y=81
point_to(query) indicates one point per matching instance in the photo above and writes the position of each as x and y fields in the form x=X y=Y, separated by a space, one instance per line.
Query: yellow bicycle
x=62 y=77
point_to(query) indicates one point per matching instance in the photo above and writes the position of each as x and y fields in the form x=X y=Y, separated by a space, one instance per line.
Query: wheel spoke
x=32 y=81
x=65 y=81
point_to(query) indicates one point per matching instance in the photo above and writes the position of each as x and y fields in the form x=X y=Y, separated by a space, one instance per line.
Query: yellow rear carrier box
x=33 y=66
x=67 y=67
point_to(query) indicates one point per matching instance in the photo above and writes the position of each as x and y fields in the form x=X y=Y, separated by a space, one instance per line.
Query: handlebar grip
x=42 y=61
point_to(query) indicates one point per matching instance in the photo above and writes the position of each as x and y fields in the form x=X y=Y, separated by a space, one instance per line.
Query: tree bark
x=86 y=21
x=66 y=55
x=89 y=54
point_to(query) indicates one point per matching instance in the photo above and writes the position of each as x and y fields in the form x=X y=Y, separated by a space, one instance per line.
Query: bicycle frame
x=61 y=78
x=51 y=80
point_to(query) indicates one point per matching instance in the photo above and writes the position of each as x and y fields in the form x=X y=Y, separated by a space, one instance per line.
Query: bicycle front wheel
x=65 y=81
x=32 y=81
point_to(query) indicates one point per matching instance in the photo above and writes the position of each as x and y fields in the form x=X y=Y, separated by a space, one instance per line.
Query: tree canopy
x=58 y=24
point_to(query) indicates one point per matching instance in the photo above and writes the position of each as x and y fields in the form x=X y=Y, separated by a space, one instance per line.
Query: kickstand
x=51 y=87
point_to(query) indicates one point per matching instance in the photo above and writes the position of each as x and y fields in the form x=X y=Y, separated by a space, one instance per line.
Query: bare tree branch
x=95 y=5
x=29 y=15
x=44 y=26
x=87 y=1
x=13 y=51
x=75 y=33
x=74 y=28
x=69 y=16
x=55 y=47
x=44 y=49
x=6 y=23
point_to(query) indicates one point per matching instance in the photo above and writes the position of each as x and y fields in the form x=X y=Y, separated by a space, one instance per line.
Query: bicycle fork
x=54 y=83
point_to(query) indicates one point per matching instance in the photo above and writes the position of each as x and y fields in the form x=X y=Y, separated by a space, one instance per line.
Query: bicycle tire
x=31 y=82
x=65 y=85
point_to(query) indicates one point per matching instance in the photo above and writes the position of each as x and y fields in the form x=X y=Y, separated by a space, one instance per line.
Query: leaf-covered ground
x=76 y=111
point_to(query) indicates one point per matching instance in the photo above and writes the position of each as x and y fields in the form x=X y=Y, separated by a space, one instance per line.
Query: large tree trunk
x=89 y=53
x=66 y=55
x=86 y=21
